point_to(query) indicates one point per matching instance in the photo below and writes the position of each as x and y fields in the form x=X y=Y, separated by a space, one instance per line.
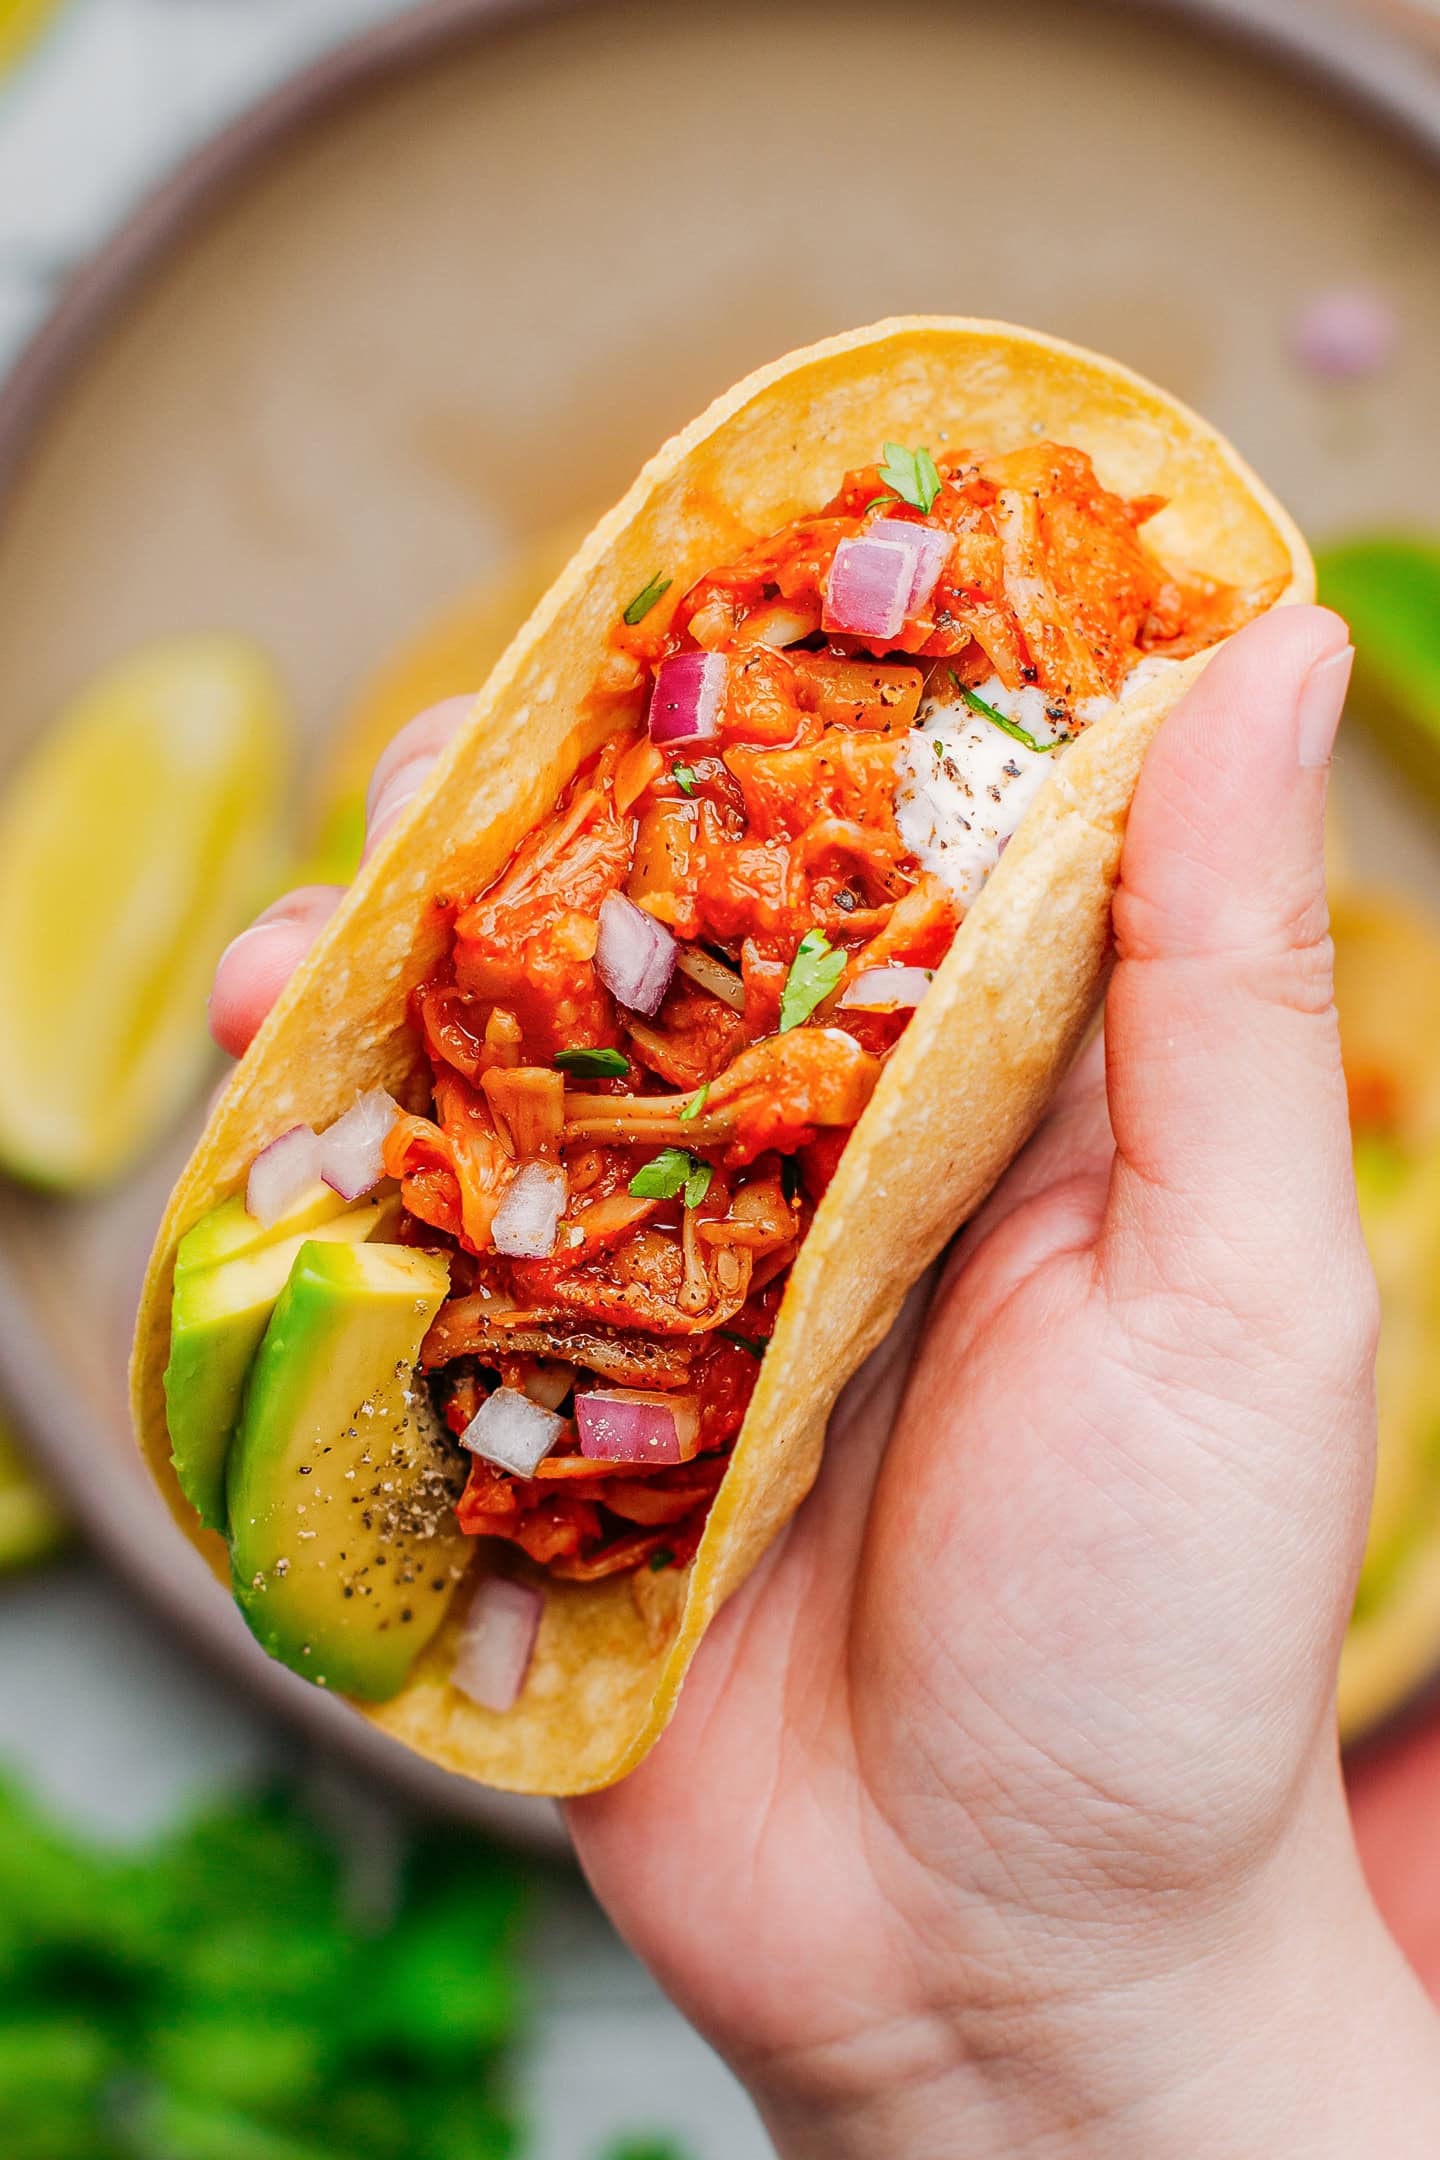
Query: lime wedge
x=20 y=21
x=1388 y=590
x=31 y=1526
x=132 y=843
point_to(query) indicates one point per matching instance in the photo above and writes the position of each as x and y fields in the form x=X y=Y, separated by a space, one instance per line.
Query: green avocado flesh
x=344 y=1546
x=228 y=1273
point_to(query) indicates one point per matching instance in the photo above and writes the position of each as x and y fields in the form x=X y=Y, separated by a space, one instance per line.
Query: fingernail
x=261 y=924
x=1321 y=703
x=401 y=787
x=386 y=816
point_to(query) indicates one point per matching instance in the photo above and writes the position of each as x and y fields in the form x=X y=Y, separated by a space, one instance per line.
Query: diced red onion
x=280 y=1173
x=351 y=1152
x=528 y=1217
x=686 y=702
x=635 y=957
x=886 y=989
x=629 y=1425
x=497 y=1642
x=512 y=1432
x=1346 y=332
x=931 y=550
x=868 y=590
x=712 y=975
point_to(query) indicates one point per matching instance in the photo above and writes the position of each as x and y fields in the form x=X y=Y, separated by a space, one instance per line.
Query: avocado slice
x=344 y=1546
x=230 y=1230
x=228 y=1274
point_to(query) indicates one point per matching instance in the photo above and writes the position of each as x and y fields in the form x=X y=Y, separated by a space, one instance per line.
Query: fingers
x=405 y=762
x=255 y=967
x=1225 y=1086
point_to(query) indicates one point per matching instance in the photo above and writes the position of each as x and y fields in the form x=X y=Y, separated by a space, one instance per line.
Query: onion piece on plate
x=635 y=956
x=633 y=1425
x=931 y=549
x=528 y=1218
x=280 y=1173
x=689 y=692
x=352 y=1150
x=868 y=590
x=497 y=1642
x=512 y=1432
x=886 y=989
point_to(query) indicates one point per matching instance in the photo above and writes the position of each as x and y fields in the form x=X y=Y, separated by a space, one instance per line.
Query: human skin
x=1002 y=1811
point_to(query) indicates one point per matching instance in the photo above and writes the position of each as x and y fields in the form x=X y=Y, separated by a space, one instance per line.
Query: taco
x=725 y=961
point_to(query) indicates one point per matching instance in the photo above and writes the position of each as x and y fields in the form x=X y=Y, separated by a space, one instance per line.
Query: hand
x=1002 y=1812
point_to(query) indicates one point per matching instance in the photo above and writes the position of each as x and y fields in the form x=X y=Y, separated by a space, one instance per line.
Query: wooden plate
x=458 y=281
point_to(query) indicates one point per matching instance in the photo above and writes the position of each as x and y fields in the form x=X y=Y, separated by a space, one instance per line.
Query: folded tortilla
x=972 y=1071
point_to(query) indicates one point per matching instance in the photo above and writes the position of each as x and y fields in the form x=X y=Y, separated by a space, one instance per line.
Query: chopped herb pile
x=814 y=972
x=213 y=1999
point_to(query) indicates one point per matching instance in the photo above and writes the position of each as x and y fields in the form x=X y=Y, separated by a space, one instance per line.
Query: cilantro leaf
x=593 y=1064
x=684 y=776
x=662 y=1557
x=696 y=1103
x=671 y=1172
x=646 y=598
x=912 y=474
x=1004 y=722
x=814 y=972
x=752 y=1343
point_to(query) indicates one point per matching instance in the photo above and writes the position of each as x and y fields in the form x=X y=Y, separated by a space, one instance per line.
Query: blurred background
x=325 y=328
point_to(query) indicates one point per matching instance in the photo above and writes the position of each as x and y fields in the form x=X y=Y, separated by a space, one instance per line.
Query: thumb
x=1226 y=1092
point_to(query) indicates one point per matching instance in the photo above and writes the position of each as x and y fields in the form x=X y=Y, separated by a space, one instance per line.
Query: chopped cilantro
x=238 y=1987
x=792 y=1182
x=646 y=598
x=752 y=1343
x=1003 y=721
x=912 y=474
x=937 y=746
x=880 y=502
x=671 y=1172
x=594 y=1064
x=661 y=1558
x=684 y=777
x=696 y=1103
x=814 y=972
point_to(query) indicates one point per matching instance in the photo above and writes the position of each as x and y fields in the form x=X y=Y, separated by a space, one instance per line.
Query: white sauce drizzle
x=959 y=804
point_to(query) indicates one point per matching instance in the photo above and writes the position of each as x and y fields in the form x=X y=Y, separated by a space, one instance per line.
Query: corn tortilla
x=973 y=1070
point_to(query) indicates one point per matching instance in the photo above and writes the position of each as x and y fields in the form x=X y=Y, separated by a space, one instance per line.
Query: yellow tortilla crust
x=973 y=1070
